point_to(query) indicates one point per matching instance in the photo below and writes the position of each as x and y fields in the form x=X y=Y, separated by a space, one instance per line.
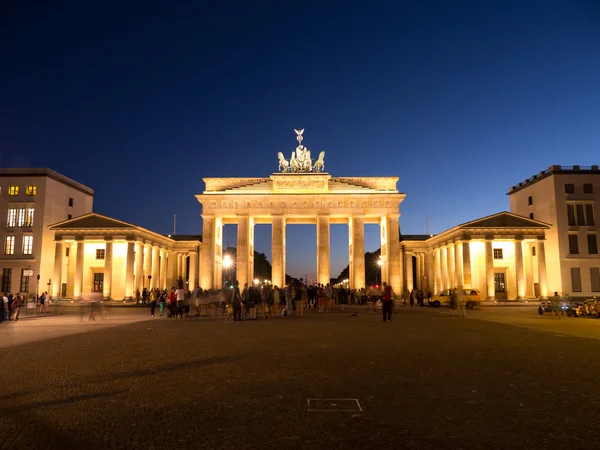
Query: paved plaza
x=501 y=378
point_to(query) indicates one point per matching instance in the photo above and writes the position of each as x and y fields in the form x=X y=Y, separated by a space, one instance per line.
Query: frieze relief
x=328 y=204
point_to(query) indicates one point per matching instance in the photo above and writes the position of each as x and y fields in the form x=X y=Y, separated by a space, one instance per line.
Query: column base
x=490 y=299
x=128 y=299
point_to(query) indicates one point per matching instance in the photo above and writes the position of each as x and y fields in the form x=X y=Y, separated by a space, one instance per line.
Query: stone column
x=147 y=264
x=129 y=269
x=78 y=281
x=358 y=250
x=179 y=264
x=450 y=264
x=208 y=252
x=529 y=293
x=193 y=270
x=163 y=269
x=429 y=283
x=184 y=269
x=384 y=270
x=172 y=258
x=139 y=266
x=438 y=287
x=409 y=271
x=466 y=260
x=394 y=261
x=458 y=265
x=489 y=269
x=278 y=251
x=541 y=256
x=58 y=257
x=444 y=267
x=218 y=263
x=519 y=268
x=155 y=267
x=242 y=263
x=323 y=246
x=71 y=270
x=108 y=263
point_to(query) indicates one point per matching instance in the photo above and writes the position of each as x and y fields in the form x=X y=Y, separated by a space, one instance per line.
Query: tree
x=372 y=269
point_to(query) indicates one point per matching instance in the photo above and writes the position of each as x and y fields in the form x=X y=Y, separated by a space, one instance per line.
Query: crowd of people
x=10 y=309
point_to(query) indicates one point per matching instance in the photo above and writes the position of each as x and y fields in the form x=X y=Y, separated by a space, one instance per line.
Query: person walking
x=275 y=300
x=321 y=298
x=153 y=301
x=245 y=296
x=161 y=302
x=253 y=300
x=16 y=307
x=329 y=297
x=236 y=302
x=387 y=301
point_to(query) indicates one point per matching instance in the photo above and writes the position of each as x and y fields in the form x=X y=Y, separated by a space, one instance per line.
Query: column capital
x=518 y=237
x=58 y=238
x=130 y=238
x=80 y=238
x=541 y=238
x=108 y=238
x=489 y=237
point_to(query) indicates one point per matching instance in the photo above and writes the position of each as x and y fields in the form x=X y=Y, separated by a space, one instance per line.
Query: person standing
x=387 y=301
x=245 y=296
x=321 y=298
x=236 y=302
x=4 y=308
x=161 y=302
x=329 y=297
x=153 y=300
x=275 y=300
x=180 y=296
x=16 y=307
x=253 y=300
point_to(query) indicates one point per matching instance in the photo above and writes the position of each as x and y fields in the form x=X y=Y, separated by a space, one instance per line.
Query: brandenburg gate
x=300 y=193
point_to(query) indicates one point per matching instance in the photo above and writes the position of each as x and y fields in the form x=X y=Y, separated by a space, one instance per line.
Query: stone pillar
x=466 y=260
x=108 y=263
x=179 y=264
x=358 y=251
x=450 y=264
x=409 y=271
x=129 y=269
x=218 y=263
x=458 y=265
x=541 y=256
x=71 y=270
x=184 y=269
x=147 y=264
x=429 y=284
x=278 y=251
x=58 y=257
x=384 y=270
x=208 y=252
x=444 y=267
x=193 y=270
x=438 y=287
x=172 y=259
x=243 y=252
x=163 y=269
x=78 y=281
x=529 y=292
x=155 y=267
x=519 y=268
x=394 y=261
x=489 y=269
x=323 y=246
x=139 y=266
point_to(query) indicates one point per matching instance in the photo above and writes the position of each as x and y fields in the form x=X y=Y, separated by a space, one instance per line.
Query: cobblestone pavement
x=425 y=380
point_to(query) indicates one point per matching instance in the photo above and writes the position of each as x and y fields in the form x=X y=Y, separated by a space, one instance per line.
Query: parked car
x=471 y=296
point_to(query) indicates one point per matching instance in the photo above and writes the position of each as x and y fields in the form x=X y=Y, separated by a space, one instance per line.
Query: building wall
x=550 y=204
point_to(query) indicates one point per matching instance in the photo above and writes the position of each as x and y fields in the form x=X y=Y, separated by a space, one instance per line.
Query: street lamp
x=380 y=264
x=227 y=263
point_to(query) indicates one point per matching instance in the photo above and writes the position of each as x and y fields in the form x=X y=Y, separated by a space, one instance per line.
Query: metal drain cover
x=334 y=404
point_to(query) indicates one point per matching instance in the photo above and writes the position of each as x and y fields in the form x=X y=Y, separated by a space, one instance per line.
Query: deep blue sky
x=140 y=100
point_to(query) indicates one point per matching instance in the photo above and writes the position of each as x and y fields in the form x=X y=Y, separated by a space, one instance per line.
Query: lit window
x=498 y=253
x=21 y=217
x=11 y=219
x=13 y=190
x=29 y=217
x=31 y=190
x=100 y=253
x=27 y=245
x=9 y=245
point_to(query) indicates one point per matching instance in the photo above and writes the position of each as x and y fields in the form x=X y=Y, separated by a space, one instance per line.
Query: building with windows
x=30 y=201
x=566 y=198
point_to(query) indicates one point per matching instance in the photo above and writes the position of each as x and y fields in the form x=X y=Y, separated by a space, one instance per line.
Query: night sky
x=141 y=100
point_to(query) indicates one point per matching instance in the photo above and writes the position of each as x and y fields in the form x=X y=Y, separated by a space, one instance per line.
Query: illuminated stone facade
x=300 y=198
x=98 y=255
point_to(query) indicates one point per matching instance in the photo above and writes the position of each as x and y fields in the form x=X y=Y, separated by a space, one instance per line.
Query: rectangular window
x=530 y=200
x=70 y=201
x=98 y=282
x=573 y=244
x=6 y=278
x=11 y=220
x=67 y=252
x=589 y=214
x=569 y=188
x=595 y=278
x=588 y=189
x=31 y=190
x=21 y=217
x=575 y=279
x=27 y=245
x=531 y=215
x=69 y=216
x=571 y=215
x=13 y=190
x=497 y=253
x=9 y=245
x=29 y=217
x=580 y=216
x=499 y=282
x=24 y=282
x=100 y=252
x=532 y=251
x=592 y=244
